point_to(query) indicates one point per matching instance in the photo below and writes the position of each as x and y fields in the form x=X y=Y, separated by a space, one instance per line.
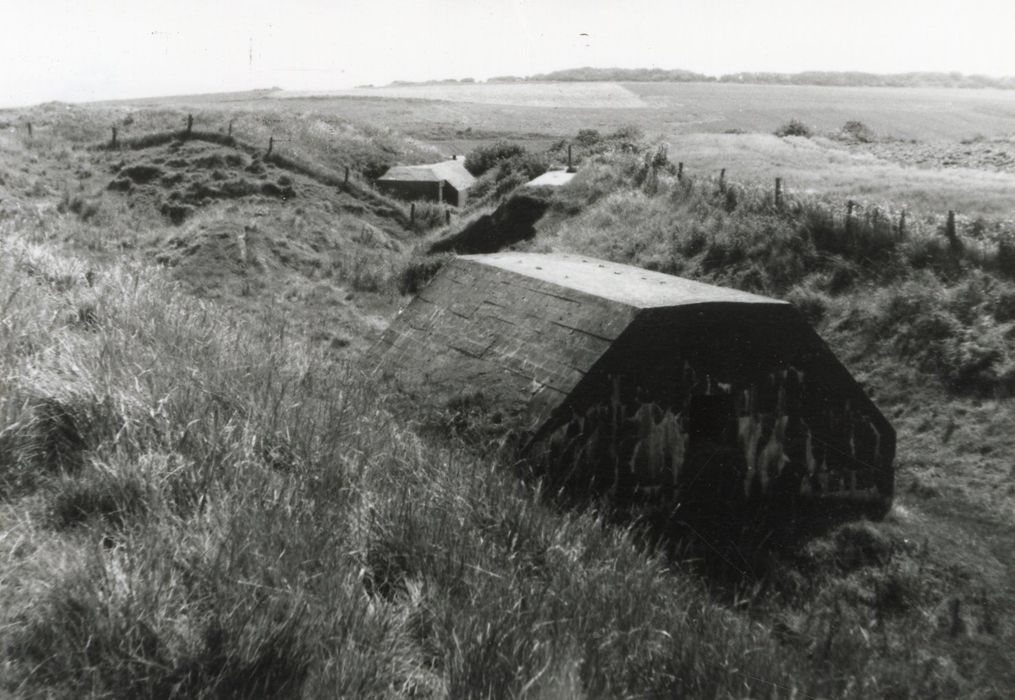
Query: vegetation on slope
x=198 y=507
x=200 y=503
x=229 y=220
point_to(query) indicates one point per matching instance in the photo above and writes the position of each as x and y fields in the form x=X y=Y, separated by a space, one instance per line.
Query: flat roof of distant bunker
x=635 y=382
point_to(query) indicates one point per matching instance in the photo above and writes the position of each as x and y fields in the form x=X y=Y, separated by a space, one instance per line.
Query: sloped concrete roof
x=451 y=171
x=625 y=284
x=552 y=178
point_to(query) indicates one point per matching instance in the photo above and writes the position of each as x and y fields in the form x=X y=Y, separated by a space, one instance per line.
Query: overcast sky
x=80 y=50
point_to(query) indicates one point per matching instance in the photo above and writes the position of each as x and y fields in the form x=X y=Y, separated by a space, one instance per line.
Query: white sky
x=79 y=50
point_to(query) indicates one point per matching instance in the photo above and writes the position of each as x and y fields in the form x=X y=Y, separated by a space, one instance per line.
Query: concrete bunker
x=640 y=384
x=447 y=181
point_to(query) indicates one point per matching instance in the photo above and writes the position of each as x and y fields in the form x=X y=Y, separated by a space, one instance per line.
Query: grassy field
x=200 y=495
x=911 y=125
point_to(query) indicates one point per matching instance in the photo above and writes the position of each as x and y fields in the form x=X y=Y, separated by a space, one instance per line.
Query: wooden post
x=902 y=224
x=346 y=180
x=271 y=145
x=953 y=239
x=190 y=123
x=680 y=171
x=778 y=193
x=957 y=626
x=722 y=180
x=570 y=167
x=230 y=132
x=412 y=213
x=113 y=142
x=29 y=125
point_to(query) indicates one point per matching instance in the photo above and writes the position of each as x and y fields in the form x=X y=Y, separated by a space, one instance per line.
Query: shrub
x=627 y=135
x=429 y=215
x=857 y=131
x=587 y=138
x=483 y=158
x=794 y=127
x=419 y=271
x=811 y=303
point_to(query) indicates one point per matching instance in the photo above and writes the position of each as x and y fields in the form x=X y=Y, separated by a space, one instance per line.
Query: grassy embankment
x=228 y=220
x=195 y=504
x=192 y=507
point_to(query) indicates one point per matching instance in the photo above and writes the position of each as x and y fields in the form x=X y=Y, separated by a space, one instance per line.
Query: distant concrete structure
x=447 y=181
x=634 y=382
x=552 y=178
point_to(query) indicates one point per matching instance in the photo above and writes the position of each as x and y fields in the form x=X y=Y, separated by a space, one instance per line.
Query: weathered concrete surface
x=552 y=178
x=641 y=384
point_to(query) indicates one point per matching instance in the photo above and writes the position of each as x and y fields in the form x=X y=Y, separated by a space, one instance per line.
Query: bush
x=794 y=127
x=587 y=138
x=483 y=158
x=627 y=135
x=429 y=215
x=418 y=272
x=857 y=131
x=811 y=303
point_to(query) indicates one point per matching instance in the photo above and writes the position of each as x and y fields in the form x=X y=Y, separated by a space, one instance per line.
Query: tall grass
x=197 y=506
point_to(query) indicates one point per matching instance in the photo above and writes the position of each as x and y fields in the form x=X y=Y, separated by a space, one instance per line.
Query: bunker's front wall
x=422 y=190
x=802 y=427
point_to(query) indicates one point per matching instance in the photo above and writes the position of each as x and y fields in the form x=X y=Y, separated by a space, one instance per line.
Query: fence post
x=902 y=224
x=271 y=145
x=230 y=132
x=412 y=213
x=114 y=136
x=190 y=123
x=778 y=193
x=29 y=129
x=680 y=171
x=722 y=180
x=346 y=180
x=953 y=238
x=570 y=166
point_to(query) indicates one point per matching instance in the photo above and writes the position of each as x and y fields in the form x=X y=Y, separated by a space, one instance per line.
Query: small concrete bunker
x=447 y=181
x=638 y=383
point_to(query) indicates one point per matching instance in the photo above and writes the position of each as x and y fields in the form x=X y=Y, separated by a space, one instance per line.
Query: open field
x=919 y=159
